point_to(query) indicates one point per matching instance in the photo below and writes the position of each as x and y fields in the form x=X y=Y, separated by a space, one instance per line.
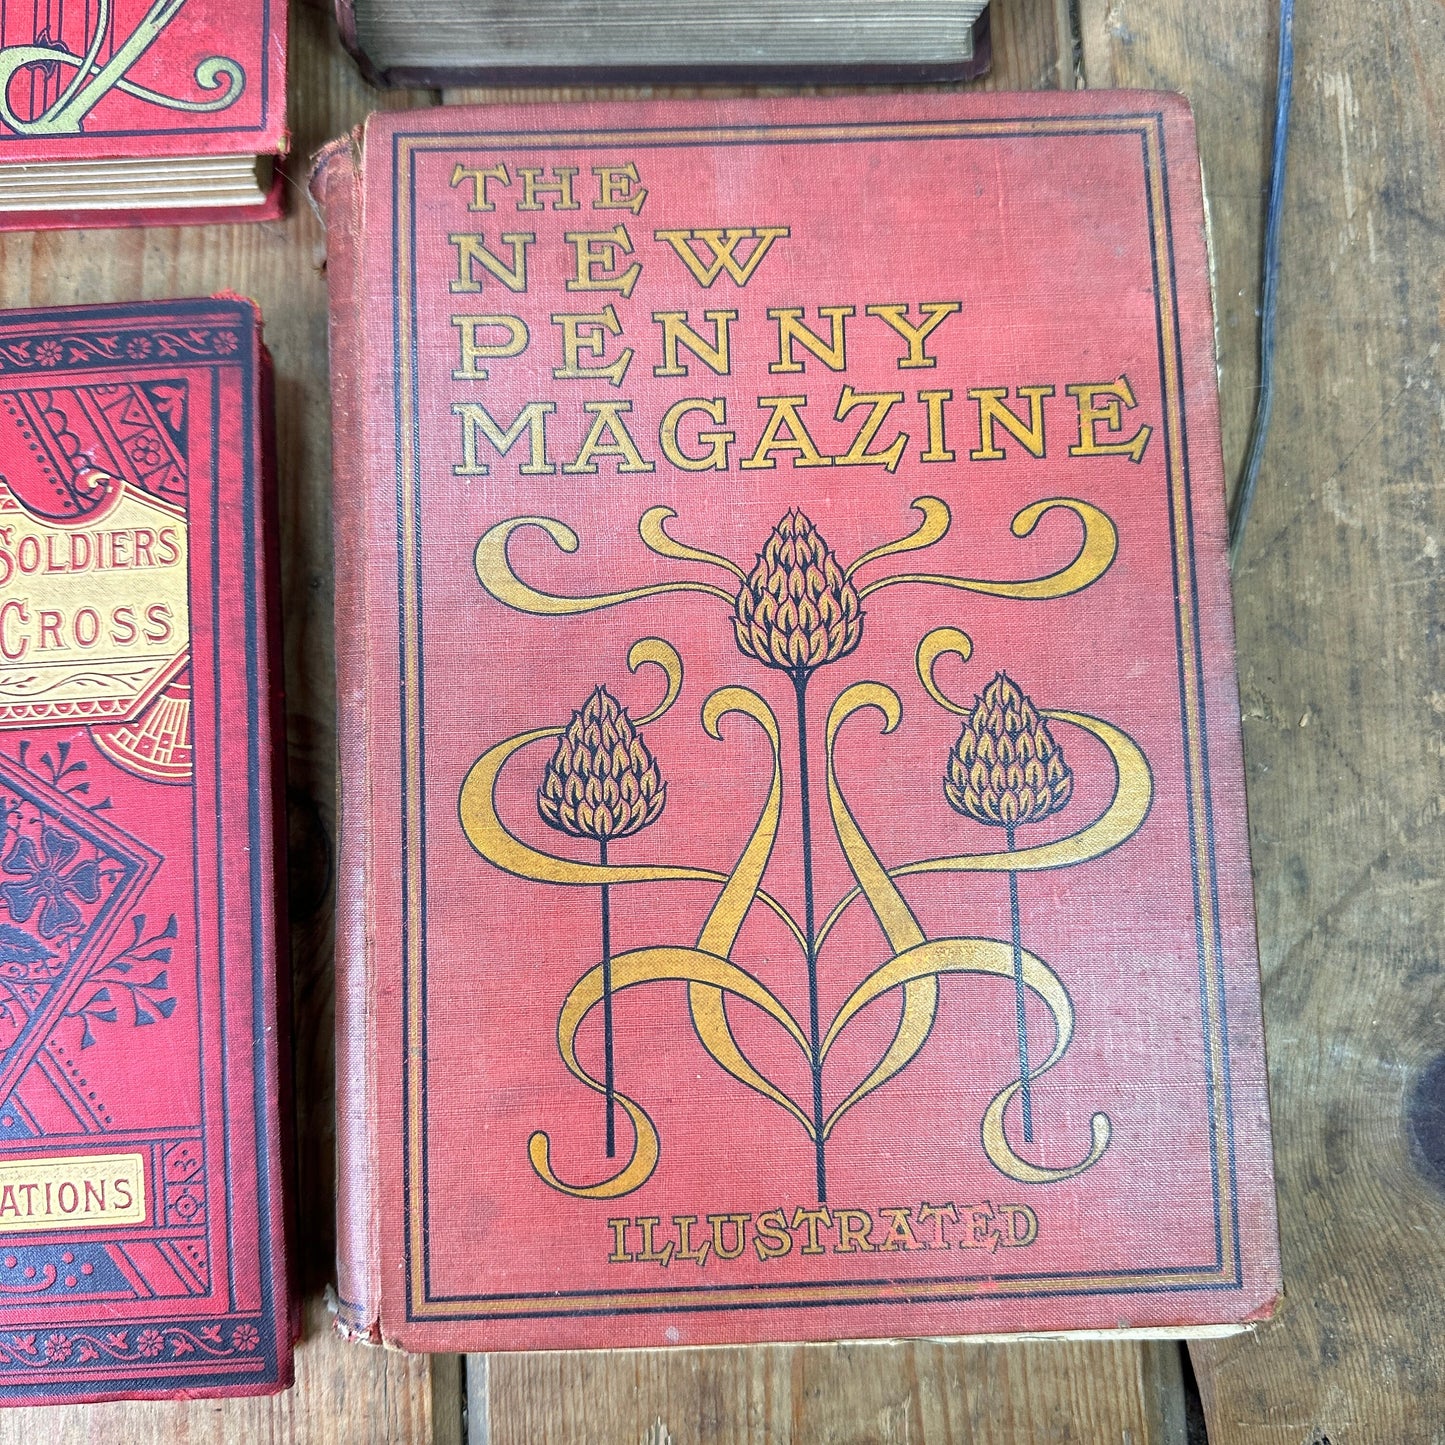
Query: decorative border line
x=421 y=1303
x=120 y=345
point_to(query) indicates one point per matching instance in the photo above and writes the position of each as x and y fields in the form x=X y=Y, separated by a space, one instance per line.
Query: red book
x=794 y=876
x=141 y=112
x=141 y=1203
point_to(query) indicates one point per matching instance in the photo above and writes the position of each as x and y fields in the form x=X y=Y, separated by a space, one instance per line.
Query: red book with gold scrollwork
x=141 y=1221
x=140 y=112
x=794 y=878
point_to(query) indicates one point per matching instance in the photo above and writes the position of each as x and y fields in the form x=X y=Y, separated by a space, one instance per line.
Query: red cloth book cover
x=794 y=875
x=126 y=79
x=141 y=1204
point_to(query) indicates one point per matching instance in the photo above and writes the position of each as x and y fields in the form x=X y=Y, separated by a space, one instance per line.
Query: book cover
x=141 y=1204
x=794 y=879
x=131 y=81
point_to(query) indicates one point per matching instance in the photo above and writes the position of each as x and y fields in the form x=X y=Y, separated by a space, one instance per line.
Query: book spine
x=284 y=1225
x=335 y=183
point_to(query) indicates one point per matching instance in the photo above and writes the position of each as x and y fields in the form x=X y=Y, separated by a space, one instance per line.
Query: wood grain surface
x=1338 y=601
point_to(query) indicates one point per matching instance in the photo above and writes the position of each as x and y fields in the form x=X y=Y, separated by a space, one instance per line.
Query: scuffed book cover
x=794 y=877
x=141 y=1217
x=126 y=80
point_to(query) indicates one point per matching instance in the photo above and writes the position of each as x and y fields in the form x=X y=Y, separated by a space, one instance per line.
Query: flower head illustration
x=45 y=884
x=797 y=609
x=602 y=783
x=1006 y=768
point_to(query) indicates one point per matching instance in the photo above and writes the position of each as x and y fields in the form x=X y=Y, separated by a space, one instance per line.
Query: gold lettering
x=854 y=1227
x=812 y=1218
x=479 y=179
x=897 y=317
x=472 y=252
x=858 y=454
x=533 y=186
x=474 y=350
x=992 y=411
x=938 y=1213
x=715 y=459
x=720 y=251
x=792 y=333
x=608 y=423
x=771 y=1239
x=597 y=261
x=677 y=332
x=587 y=331
x=719 y=1223
x=900 y=1230
x=1091 y=414
x=478 y=422
x=618 y=189
x=785 y=411
x=619 y=1253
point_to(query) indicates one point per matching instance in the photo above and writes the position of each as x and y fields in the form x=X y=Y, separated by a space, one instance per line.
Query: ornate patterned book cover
x=128 y=79
x=141 y=1221
x=794 y=877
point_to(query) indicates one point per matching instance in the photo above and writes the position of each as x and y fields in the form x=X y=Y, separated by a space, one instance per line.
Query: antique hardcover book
x=560 y=42
x=794 y=881
x=135 y=112
x=142 y=1232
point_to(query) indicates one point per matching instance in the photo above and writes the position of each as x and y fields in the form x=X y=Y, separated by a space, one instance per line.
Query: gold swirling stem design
x=994 y=959
x=494 y=572
x=707 y=1002
x=485 y=831
x=92 y=82
x=1122 y=817
x=652 y=528
x=936 y=520
x=699 y=970
x=900 y=927
x=1094 y=558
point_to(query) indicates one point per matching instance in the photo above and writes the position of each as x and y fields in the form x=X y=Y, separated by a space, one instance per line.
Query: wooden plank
x=922 y=1393
x=1338 y=601
x=344 y=1392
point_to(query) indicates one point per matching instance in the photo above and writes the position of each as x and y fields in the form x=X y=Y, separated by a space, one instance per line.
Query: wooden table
x=1341 y=617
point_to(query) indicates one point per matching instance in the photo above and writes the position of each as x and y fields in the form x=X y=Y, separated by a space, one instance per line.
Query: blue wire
x=1244 y=493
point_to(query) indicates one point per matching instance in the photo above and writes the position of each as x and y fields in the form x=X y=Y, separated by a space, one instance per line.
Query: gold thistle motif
x=602 y=781
x=1006 y=768
x=797 y=609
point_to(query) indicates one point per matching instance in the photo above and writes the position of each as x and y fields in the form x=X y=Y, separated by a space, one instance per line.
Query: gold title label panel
x=81 y=1191
x=93 y=616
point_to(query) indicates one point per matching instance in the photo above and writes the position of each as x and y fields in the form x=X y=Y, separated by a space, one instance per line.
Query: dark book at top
x=581 y=42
